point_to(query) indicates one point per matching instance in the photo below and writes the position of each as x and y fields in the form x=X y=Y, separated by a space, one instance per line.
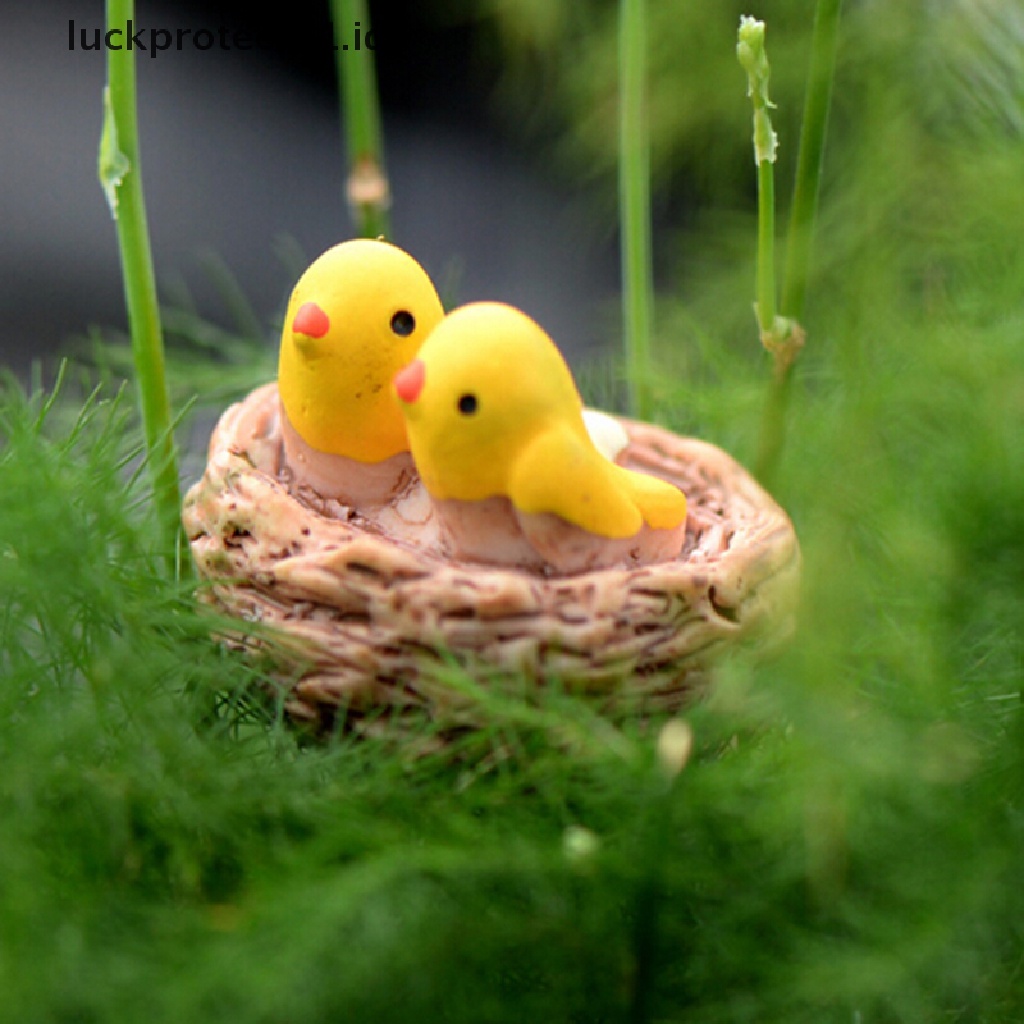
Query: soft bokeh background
x=500 y=140
x=243 y=161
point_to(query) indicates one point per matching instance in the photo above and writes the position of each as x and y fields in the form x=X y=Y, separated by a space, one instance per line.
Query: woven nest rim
x=367 y=622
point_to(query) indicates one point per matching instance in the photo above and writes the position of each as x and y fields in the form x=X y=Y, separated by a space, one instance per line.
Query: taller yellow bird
x=356 y=316
x=492 y=410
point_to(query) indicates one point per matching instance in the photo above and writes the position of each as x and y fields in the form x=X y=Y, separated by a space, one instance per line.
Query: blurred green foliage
x=958 y=65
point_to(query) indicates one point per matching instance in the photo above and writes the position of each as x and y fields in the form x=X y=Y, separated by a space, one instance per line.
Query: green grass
x=844 y=844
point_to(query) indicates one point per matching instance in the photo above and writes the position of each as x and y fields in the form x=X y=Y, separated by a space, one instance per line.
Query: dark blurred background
x=242 y=158
x=500 y=144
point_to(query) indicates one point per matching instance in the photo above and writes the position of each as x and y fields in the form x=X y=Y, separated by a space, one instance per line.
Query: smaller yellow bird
x=493 y=413
x=356 y=316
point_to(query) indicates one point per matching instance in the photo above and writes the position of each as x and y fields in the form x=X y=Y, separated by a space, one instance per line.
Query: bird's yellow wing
x=557 y=471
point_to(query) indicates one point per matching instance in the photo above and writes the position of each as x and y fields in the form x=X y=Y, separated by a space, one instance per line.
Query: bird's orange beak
x=311 y=321
x=409 y=382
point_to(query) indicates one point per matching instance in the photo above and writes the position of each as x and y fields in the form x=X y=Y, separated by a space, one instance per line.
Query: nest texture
x=364 y=620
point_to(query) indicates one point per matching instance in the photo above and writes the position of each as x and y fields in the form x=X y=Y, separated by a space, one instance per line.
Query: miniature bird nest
x=360 y=622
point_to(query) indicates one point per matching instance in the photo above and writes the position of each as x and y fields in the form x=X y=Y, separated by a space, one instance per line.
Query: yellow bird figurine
x=356 y=316
x=497 y=431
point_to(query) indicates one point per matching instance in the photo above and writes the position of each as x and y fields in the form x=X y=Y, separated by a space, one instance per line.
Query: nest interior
x=359 y=615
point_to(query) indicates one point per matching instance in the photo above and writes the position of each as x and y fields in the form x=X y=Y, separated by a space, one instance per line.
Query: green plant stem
x=367 y=187
x=766 y=246
x=803 y=214
x=810 y=157
x=121 y=177
x=753 y=58
x=635 y=204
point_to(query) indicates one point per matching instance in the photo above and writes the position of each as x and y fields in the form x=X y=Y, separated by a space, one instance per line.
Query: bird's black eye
x=403 y=323
x=467 y=404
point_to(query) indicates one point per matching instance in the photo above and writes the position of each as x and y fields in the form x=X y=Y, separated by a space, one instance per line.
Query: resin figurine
x=530 y=537
x=356 y=317
x=497 y=433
